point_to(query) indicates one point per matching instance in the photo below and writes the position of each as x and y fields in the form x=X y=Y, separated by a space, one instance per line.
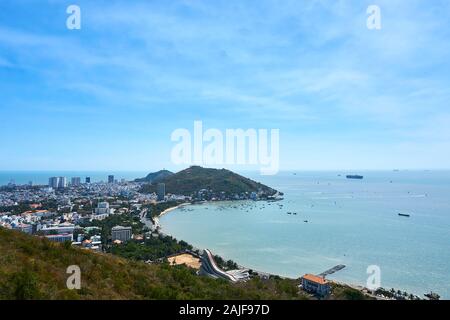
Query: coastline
x=173 y=208
x=162 y=213
x=358 y=287
x=158 y=226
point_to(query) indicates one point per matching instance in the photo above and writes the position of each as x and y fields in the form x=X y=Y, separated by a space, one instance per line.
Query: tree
x=24 y=285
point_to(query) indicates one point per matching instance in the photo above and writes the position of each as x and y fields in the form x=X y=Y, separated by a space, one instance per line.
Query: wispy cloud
x=311 y=68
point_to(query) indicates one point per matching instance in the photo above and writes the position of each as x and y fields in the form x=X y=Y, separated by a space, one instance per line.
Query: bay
x=350 y=222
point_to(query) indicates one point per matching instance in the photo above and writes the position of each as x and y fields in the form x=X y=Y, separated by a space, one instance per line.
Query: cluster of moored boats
x=250 y=206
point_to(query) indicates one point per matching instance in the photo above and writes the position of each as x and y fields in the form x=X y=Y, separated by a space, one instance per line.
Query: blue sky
x=108 y=96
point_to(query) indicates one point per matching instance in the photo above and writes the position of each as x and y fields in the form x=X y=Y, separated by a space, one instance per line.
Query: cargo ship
x=404 y=215
x=354 y=176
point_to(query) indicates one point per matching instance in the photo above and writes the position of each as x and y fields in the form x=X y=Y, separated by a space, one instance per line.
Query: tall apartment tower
x=110 y=179
x=62 y=182
x=76 y=181
x=161 y=191
x=53 y=182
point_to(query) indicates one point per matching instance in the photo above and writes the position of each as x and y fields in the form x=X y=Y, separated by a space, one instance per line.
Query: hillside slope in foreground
x=34 y=268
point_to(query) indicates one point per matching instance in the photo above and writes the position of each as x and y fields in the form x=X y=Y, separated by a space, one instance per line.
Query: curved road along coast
x=210 y=268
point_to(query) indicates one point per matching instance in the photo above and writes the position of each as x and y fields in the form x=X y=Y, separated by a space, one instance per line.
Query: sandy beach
x=172 y=208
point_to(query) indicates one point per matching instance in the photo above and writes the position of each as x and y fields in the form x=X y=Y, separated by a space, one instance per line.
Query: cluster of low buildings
x=40 y=222
x=210 y=195
x=92 y=243
x=58 y=189
x=49 y=225
x=25 y=208
x=13 y=195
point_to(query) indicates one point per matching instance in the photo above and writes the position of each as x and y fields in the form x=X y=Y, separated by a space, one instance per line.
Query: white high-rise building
x=62 y=182
x=76 y=181
x=161 y=191
x=121 y=233
x=53 y=182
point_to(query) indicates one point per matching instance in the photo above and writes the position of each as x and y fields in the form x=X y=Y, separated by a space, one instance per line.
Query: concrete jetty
x=332 y=270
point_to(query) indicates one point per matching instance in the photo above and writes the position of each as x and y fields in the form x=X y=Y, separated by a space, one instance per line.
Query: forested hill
x=155 y=176
x=193 y=179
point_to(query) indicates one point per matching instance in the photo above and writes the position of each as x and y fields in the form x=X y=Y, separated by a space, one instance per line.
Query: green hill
x=34 y=268
x=191 y=180
x=155 y=176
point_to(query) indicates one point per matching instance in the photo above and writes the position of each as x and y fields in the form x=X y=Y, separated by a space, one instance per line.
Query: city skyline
x=107 y=97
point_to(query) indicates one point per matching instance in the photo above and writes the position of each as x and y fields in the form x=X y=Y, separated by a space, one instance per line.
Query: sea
x=332 y=221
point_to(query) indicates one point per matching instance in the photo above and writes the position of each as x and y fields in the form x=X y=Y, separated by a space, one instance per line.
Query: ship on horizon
x=404 y=215
x=354 y=176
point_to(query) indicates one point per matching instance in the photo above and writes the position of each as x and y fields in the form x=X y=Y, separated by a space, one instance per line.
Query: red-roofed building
x=315 y=284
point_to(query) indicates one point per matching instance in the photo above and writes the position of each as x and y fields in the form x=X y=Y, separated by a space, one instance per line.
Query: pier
x=332 y=270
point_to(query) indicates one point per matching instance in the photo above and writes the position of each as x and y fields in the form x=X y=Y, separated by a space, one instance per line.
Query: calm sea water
x=350 y=222
x=41 y=177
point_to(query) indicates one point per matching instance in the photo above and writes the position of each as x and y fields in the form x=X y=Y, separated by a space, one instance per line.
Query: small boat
x=404 y=215
x=306 y=221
